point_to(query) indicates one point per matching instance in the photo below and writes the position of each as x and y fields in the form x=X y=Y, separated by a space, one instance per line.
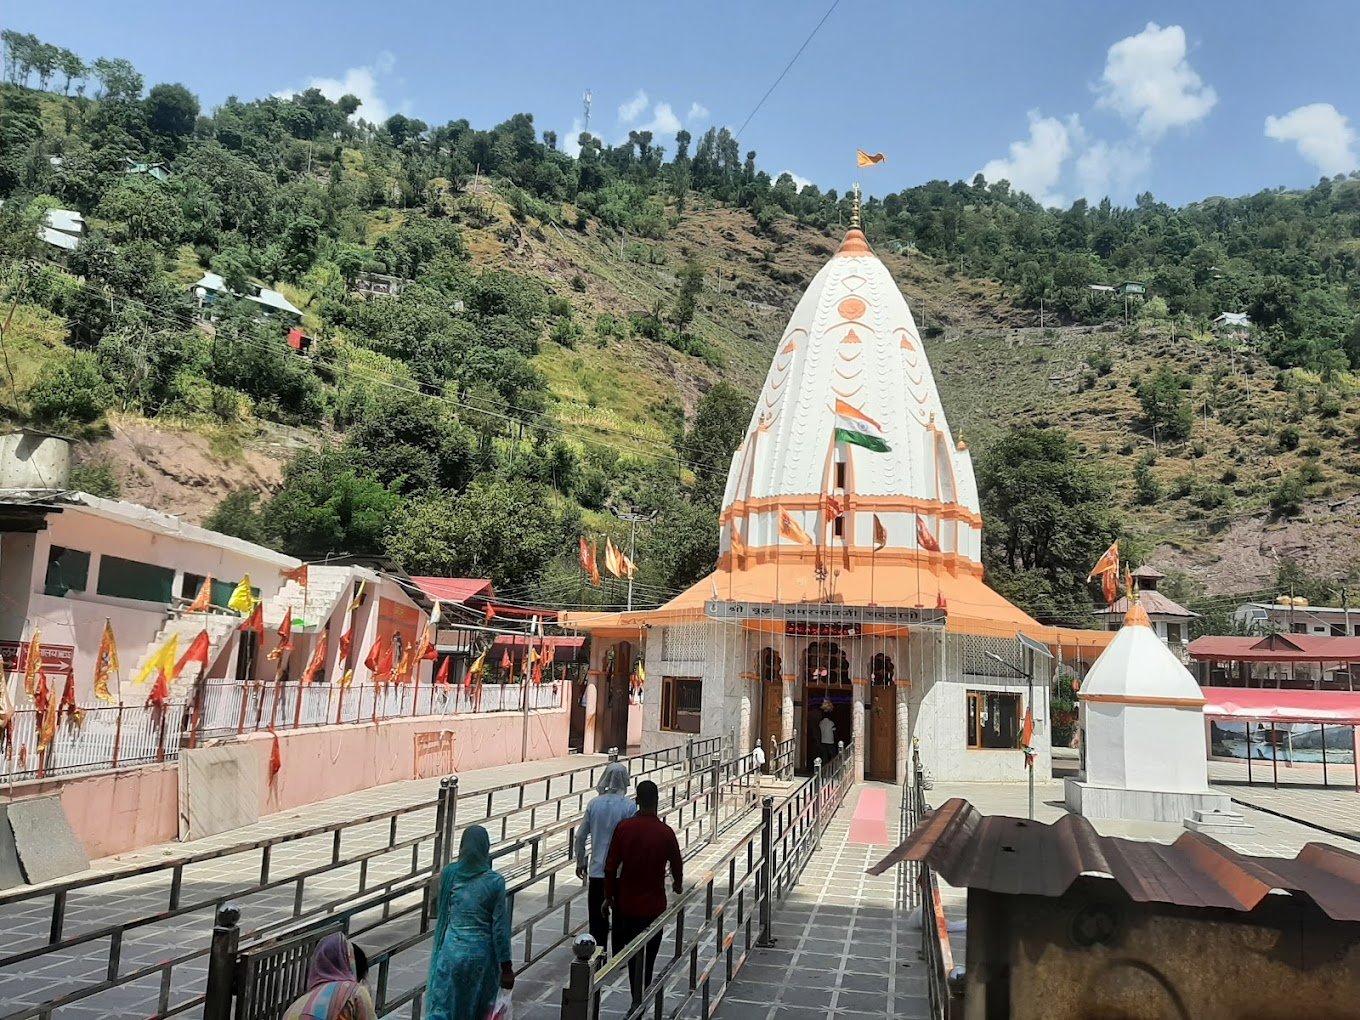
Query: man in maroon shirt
x=635 y=881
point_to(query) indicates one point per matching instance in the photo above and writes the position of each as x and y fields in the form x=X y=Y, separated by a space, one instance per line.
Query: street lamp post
x=632 y=517
x=1029 y=707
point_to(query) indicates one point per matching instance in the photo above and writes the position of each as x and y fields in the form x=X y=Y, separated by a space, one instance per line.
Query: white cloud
x=800 y=182
x=1148 y=81
x=571 y=144
x=697 y=111
x=1322 y=135
x=634 y=108
x=1112 y=169
x=663 y=122
x=361 y=82
x=1035 y=164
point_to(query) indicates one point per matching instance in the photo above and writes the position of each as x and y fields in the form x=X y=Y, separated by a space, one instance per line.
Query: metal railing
x=780 y=757
x=111 y=737
x=716 y=923
x=292 y=881
x=918 y=887
x=698 y=800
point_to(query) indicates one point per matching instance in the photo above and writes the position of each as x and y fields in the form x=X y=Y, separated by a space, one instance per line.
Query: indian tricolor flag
x=855 y=427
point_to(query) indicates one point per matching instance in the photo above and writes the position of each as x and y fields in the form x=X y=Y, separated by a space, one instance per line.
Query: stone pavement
x=1300 y=796
x=25 y=925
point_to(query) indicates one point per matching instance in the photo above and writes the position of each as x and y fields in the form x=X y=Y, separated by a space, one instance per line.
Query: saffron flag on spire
x=196 y=652
x=855 y=427
x=880 y=534
x=203 y=600
x=792 y=530
x=864 y=159
x=243 y=598
x=924 y=538
x=1108 y=562
x=318 y=659
x=1109 y=587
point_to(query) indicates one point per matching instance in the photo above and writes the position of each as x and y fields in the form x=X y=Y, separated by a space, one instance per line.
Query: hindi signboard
x=824 y=617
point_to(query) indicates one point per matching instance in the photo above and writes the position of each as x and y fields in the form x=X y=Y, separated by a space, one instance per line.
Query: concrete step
x=1218 y=821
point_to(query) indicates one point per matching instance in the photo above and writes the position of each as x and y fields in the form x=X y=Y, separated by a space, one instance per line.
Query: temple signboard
x=824 y=617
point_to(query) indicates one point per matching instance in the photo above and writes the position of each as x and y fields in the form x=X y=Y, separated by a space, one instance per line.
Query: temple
x=849 y=584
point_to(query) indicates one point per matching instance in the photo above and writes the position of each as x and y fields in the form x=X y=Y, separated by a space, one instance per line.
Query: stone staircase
x=311 y=606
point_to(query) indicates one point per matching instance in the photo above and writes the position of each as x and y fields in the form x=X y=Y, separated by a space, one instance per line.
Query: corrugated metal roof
x=1154 y=603
x=1276 y=648
x=1018 y=857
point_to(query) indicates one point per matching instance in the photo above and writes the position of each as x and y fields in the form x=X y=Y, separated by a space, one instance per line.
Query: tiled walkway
x=841 y=950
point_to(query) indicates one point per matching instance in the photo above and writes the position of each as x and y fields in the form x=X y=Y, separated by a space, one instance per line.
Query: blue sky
x=1185 y=99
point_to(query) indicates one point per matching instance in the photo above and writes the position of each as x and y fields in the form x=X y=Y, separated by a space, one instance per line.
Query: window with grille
x=682 y=703
x=974 y=660
x=683 y=642
x=993 y=719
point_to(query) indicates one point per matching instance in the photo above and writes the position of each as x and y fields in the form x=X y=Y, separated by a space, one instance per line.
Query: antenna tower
x=585 y=108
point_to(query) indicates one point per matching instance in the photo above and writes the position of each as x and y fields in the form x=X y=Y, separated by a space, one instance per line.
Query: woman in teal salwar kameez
x=471 y=955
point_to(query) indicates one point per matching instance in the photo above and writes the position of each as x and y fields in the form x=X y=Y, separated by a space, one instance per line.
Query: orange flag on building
x=628 y=566
x=48 y=708
x=379 y=660
x=507 y=663
x=285 y=636
x=1108 y=563
x=738 y=545
x=73 y=713
x=584 y=555
x=346 y=642
x=359 y=596
x=491 y=611
x=863 y=158
x=792 y=530
x=160 y=690
x=106 y=665
x=254 y=622
x=594 y=559
x=474 y=672
x=611 y=558
x=924 y=538
x=442 y=676
x=318 y=659
x=197 y=652
x=880 y=534
x=834 y=507
x=1027 y=738
x=1109 y=587
x=203 y=600
x=275 y=758
x=298 y=574
x=33 y=665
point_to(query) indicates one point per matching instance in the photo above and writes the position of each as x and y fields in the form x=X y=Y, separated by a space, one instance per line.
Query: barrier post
x=715 y=782
x=816 y=804
x=767 y=868
x=580 y=989
x=226 y=937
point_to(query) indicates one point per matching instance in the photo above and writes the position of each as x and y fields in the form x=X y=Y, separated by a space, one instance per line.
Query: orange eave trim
x=864 y=503
x=1133 y=699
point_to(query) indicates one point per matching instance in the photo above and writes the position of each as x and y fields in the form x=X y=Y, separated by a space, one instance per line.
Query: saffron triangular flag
x=441 y=677
x=72 y=712
x=923 y=536
x=275 y=758
x=611 y=558
x=243 y=598
x=203 y=600
x=584 y=555
x=346 y=642
x=160 y=690
x=594 y=558
x=628 y=566
x=1027 y=738
x=1108 y=562
x=1109 y=587
x=254 y=623
x=792 y=530
x=880 y=534
x=359 y=596
x=298 y=574
x=491 y=611
x=738 y=545
x=318 y=659
x=834 y=507
x=47 y=719
x=864 y=159
x=33 y=665
x=285 y=636
x=507 y=663
x=106 y=665
x=196 y=652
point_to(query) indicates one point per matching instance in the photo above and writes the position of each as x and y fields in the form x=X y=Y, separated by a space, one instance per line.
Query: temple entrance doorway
x=827 y=693
x=882 y=753
x=614 y=711
x=770 y=672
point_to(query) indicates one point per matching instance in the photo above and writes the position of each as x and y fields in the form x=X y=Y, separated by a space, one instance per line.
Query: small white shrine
x=1142 y=734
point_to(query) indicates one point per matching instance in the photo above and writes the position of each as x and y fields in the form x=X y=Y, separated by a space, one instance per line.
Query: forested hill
x=502 y=341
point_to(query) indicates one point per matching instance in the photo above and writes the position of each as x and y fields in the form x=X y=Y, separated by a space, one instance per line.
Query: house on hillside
x=156 y=170
x=1169 y=619
x=1297 y=616
x=378 y=285
x=270 y=302
x=1132 y=288
x=1232 y=324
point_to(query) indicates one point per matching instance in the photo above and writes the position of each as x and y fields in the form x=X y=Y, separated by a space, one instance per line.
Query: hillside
x=575 y=333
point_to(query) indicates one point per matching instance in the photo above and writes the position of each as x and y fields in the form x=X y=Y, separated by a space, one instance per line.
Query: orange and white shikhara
x=849 y=571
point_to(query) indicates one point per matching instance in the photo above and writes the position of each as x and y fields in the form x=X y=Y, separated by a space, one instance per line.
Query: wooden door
x=576 y=737
x=616 y=711
x=771 y=714
x=883 y=734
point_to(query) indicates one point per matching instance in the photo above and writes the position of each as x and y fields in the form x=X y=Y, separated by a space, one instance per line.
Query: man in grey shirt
x=602 y=816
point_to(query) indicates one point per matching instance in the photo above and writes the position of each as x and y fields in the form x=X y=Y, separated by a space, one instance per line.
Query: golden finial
x=854 y=209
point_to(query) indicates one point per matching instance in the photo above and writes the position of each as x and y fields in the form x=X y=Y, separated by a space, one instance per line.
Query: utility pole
x=632 y=517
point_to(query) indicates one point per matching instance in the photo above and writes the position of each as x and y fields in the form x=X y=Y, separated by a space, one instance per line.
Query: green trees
x=74 y=392
x=171 y=112
x=687 y=301
x=507 y=531
x=1048 y=520
x=117 y=78
x=1166 y=407
x=719 y=425
x=328 y=505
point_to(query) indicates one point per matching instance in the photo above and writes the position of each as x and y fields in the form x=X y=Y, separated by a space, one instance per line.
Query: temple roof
x=1138 y=667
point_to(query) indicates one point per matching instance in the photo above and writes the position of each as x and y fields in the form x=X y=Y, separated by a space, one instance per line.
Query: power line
x=811 y=35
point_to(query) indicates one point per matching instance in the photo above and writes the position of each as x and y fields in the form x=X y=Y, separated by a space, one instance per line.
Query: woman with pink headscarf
x=334 y=992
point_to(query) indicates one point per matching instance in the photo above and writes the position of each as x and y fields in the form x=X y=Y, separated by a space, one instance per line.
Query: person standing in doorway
x=603 y=814
x=635 y=881
x=827 y=729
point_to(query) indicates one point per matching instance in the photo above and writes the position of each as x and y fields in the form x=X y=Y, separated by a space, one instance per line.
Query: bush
x=1313 y=449
x=1229 y=476
x=1181 y=486
x=578 y=283
x=95 y=478
x=1287 y=498
x=74 y=391
x=559 y=307
x=1287 y=438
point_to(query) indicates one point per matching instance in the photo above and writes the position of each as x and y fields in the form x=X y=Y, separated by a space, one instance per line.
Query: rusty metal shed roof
x=1018 y=857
